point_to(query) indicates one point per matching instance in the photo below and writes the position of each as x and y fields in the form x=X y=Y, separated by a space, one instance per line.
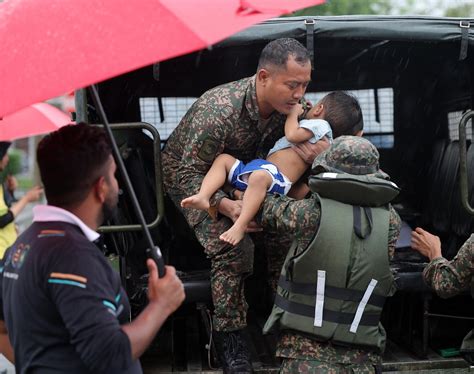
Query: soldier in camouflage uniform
x=302 y=354
x=448 y=278
x=244 y=119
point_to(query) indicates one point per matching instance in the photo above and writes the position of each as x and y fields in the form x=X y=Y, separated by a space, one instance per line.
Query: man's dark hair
x=277 y=52
x=70 y=161
x=343 y=113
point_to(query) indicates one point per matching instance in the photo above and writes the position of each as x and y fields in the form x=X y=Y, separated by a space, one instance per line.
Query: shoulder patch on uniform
x=49 y=233
x=68 y=279
x=208 y=150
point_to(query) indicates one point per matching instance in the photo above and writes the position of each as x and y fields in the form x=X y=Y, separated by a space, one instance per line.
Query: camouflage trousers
x=291 y=366
x=275 y=246
x=231 y=265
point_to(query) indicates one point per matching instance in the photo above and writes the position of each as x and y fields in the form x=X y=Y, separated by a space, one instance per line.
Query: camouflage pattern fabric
x=449 y=278
x=225 y=119
x=301 y=218
x=229 y=268
x=350 y=154
x=291 y=366
x=275 y=245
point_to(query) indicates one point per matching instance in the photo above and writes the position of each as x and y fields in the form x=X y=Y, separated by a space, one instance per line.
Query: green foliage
x=346 y=7
x=14 y=165
x=25 y=183
x=463 y=10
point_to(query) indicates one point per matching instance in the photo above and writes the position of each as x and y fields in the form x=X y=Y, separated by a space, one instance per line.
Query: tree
x=463 y=11
x=346 y=7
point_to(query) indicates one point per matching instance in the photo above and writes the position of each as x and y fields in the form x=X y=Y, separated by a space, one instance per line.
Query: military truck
x=414 y=77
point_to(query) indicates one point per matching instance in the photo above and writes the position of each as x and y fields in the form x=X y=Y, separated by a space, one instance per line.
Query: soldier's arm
x=449 y=278
x=206 y=141
x=394 y=227
x=281 y=213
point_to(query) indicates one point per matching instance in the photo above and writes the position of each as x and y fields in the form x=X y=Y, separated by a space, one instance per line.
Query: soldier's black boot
x=233 y=352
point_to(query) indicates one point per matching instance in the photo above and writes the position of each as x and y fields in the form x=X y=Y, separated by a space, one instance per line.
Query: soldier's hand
x=427 y=244
x=254 y=227
x=308 y=151
x=167 y=292
x=230 y=208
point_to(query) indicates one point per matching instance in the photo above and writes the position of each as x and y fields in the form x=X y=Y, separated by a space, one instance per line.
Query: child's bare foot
x=233 y=236
x=196 y=202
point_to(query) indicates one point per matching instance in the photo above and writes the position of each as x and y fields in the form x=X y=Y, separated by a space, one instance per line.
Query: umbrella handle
x=154 y=253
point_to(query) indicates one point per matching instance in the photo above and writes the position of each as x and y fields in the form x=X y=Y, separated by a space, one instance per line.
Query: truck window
x=174 y=109
x=378 y=127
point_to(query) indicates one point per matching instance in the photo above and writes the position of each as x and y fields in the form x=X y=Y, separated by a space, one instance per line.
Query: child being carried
x=336 y=114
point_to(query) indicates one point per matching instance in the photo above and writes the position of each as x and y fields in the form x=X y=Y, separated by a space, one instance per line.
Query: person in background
x=9 y=207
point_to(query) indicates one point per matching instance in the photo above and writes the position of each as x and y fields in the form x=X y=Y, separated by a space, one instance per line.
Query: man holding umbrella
x=63 y=305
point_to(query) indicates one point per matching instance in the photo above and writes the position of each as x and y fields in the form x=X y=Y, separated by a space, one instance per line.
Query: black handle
x=155 y=255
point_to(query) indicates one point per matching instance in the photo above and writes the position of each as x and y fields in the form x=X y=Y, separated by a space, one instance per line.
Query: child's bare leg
x=258 y=184
x=214 y=179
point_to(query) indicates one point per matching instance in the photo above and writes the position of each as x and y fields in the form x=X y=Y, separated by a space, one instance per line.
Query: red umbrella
x=55 y=46
x=61 y=45
x=35 y=119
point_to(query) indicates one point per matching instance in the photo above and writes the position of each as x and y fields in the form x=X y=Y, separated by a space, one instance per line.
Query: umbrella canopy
x=60 y=45
x=35 y=119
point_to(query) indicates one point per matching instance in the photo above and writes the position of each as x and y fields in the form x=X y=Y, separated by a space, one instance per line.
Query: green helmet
x=350 y=154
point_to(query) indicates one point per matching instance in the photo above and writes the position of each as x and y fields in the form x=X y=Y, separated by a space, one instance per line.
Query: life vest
x=335 y=288
x=8 y=233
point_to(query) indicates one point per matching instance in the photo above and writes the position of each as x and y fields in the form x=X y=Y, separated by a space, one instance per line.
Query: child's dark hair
x=342 y=111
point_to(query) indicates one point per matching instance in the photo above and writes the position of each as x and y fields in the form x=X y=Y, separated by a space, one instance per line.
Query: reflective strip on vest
x=329 y=315
x=332 y=292
x=319 y=305
x=361 y=307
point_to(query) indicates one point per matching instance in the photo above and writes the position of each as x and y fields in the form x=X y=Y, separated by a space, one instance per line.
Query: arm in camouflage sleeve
x=393 y=231
x=302 y=217
x=298 y=217
x=449 y=278
x=206 y=140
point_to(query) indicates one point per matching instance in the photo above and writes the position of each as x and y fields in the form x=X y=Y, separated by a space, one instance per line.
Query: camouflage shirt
x=449 y=278
x=301 y=218
x=224 y=119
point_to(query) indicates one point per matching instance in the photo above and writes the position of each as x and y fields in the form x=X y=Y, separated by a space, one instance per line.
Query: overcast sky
x=428 y=7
